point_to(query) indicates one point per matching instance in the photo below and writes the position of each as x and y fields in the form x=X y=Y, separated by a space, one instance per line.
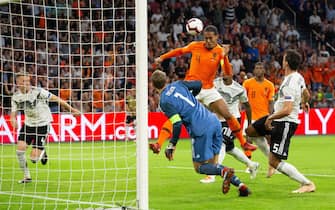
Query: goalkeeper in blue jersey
x=178 y=103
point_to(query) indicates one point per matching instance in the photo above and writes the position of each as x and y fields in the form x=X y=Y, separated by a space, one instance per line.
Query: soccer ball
x=194 y=26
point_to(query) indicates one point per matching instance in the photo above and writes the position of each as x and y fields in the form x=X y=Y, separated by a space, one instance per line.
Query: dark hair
x=211 y=28
x=293 y=58
x=158 y=79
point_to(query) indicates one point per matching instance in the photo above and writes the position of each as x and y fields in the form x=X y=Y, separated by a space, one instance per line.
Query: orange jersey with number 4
x=204 y=62
x=259 y=96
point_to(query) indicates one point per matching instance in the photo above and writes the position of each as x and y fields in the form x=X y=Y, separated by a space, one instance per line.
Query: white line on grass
x=263 y=172
x=59 y=199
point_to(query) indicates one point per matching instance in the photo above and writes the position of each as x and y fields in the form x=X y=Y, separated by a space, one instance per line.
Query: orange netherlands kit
x=259 y=95
x=204 y=62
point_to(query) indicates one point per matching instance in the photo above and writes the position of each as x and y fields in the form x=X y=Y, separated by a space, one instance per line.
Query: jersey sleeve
x=168 y=109
x=243 y=96
x=14 y=106
x=226 y=66
x=175 y=119
x=288 y=93
x=43 y=94
x=178 y=51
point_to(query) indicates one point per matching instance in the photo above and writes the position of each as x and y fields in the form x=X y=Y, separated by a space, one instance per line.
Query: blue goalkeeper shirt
x=179 y=104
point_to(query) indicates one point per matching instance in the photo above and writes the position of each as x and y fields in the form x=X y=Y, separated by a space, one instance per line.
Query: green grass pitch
x=84 y=175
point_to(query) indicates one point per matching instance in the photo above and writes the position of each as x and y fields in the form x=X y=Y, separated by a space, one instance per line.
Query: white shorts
x=208 y=96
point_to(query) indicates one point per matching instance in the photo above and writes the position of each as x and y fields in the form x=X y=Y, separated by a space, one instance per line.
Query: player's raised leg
x=164 y=134
x=220 y=108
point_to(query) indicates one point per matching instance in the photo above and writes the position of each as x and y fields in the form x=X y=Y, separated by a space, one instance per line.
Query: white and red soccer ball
x=194 y=26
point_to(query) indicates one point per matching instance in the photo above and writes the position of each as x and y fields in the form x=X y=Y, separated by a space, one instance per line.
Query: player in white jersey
x=34 y=103
x=282 y=124
x=234 y=95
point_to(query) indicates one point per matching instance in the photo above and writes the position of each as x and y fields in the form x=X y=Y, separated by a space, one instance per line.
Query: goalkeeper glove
x=156 y=148
x=169 y=151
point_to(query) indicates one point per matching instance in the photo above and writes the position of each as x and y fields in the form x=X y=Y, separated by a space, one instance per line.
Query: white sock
x=240 y=156
x=23 y=163
x=262 y=145
x=291 y=171
x=222 y=154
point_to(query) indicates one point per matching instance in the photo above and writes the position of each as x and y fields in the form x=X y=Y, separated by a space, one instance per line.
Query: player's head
x=227 y=79
x=158 y=79
x=259 y=70
x=291 y=60
x=211 y=35
x=23 y=81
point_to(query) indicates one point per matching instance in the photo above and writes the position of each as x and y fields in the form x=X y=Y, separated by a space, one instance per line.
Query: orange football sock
x=248 y=153
x=165 y=132
x=235 y=126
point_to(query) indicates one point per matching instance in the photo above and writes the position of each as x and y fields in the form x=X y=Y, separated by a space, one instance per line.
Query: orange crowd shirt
x=97 y=99
x=259 y=96
x=65 y=94
x=204 y=62
x=317 y=74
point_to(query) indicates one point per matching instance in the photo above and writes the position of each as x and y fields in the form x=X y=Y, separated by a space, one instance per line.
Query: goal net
x=83 y=52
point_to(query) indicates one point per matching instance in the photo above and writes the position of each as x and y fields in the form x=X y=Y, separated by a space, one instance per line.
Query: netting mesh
x=83 y=52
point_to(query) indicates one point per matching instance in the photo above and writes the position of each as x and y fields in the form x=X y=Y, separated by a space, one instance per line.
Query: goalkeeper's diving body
x=34 y=103
x=207 y=56
x=179 y=104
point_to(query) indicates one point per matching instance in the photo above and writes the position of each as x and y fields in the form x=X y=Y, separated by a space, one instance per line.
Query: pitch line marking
x=60 y=199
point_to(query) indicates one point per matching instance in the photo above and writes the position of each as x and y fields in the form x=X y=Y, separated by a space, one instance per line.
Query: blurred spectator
x=237 y=64
x=330 y=11
x=315 y=21
x=275 y=15
x=197 y=10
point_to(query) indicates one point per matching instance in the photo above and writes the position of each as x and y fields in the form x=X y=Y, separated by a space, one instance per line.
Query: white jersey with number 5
x=233 y=95
x=290 y=90
x=35 y=106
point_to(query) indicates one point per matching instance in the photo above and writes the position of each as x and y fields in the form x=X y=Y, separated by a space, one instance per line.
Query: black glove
x=169 y=151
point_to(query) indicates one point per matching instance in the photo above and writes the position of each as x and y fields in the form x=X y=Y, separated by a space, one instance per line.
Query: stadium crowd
x=84 y=51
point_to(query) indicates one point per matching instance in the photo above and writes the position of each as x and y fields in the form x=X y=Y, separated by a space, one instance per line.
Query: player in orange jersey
x=260 y=92
x=207 y=55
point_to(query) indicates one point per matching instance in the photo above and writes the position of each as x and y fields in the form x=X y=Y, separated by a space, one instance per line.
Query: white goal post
x=93 y=55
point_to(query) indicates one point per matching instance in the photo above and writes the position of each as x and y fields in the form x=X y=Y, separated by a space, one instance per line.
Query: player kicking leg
x=229 y=147
x=212 y=99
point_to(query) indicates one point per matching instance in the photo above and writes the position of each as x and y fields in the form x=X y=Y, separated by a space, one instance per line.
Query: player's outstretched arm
x=174 y=53
x=305 y=96
x=65 y=104
x=247 y=108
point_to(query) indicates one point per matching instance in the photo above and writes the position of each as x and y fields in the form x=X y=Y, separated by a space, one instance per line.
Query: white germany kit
x=233 y=95
x=35 y=106
x=290 y=90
